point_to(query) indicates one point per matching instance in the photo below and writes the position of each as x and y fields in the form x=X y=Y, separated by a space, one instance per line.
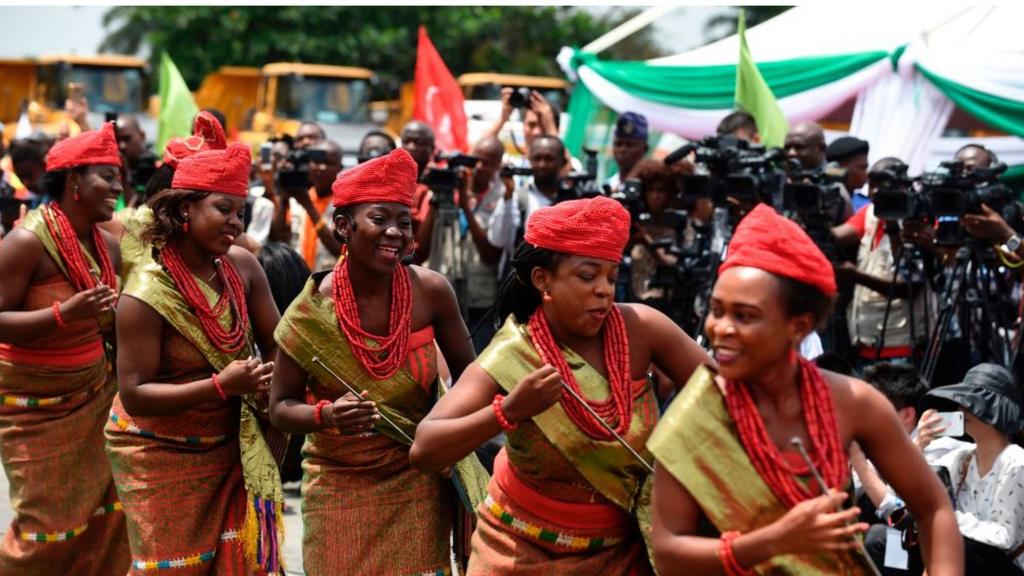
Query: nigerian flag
x=177 y=106
x=754 y=96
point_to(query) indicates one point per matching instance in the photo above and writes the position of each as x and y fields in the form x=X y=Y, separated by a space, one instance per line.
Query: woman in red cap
x=369 y=326
x=728 y=458
x=57 y=293
x=565 y=376
x=199 y=488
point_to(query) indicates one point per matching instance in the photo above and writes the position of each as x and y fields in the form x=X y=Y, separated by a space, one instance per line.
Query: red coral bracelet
x=56 y=314
x=728 y=558
x=318 y=411
x=500 y=414
x=216 y=384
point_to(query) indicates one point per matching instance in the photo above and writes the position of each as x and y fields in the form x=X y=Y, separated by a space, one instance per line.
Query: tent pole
x=627 y=28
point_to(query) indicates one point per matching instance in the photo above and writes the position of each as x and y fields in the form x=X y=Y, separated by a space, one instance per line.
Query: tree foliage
x=511 y=39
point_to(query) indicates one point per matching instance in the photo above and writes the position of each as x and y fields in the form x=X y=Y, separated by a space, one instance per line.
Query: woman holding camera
x=566 y=495
x=731 y=495
x=358 y=371
x=57 y=296
x=199 y=486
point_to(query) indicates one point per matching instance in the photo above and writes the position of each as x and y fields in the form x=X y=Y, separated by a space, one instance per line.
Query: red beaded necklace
x=80 y=273
x=383 y=360
x=617 y=410
x=230 y=340
x=825 y=447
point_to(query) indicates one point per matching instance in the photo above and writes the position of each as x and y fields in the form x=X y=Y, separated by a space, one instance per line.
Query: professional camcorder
x=444 y=181
x=734 y=168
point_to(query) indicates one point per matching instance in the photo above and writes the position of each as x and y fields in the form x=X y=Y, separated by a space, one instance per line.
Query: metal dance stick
x=608 y=428
x=316 y=360
x=797 y=443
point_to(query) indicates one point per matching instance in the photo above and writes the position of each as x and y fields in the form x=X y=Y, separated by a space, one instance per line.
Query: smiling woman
x=764 y=512
x=372 y=323
x=188 y=455
x=57 y=293
x=567 y=379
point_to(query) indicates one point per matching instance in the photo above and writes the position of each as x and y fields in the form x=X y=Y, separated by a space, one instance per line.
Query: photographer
x=629 y=146
x=418 y=140
x=989 y=226
x=878 y=245
x=850 y=155
x=309 y=210
x=141 y=161
x=660 y=189
x=740 y=124
x=539 y=118
x=375 y=143
x=547 y=161
x=805 y=148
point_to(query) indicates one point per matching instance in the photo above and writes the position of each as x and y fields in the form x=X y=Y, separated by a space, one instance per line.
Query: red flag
x=439 y=100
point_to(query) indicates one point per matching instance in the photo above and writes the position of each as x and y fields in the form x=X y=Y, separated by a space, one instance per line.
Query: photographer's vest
x=867 y=308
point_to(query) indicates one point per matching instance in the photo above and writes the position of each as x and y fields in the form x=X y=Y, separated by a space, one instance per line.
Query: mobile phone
x=952 y=423
x=265 y=162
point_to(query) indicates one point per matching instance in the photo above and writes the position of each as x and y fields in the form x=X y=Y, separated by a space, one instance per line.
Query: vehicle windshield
x=320 y=99
x=491 y=91
x=108 y=89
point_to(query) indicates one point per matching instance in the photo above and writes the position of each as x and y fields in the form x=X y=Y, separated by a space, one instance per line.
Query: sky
x=79 y=29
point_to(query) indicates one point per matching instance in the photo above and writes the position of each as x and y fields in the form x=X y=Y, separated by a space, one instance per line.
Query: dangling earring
x=344 y=249
x=792 y=359
x=547 y=297
x=76 y=193
x=185 y=226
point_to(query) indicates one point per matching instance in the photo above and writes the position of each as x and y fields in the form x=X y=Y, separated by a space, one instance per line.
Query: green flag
x=177 y=106
x=754 y=96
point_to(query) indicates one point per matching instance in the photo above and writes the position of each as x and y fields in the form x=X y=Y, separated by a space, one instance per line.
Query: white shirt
x=506 y=219
x=989 y=509
x=262 y=216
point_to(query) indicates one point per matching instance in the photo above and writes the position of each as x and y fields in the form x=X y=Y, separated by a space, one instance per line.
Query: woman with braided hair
x=357 y=372
x=199 y=487
x=732 y=492
x=566 y=495
x=57 y=294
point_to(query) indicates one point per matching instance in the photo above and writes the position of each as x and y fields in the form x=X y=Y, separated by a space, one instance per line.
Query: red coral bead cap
x=225 y=171
x=766 y=240
x=594 y=227
x=385 y=179
x=207 y=134
x=92 y=148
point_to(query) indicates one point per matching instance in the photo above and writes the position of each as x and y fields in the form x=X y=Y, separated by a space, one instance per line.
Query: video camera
x=813 y=193
x=578 y=185
x=734 y=169
x=444 y=181
x=955 y=191
x=896 y=197
x=295 y=173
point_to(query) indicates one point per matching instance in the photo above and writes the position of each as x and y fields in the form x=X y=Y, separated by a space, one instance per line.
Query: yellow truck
x=276 y=98
x=111 y=83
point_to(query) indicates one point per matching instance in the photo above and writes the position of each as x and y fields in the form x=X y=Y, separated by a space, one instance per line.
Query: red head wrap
x=767 y=241
x=207 y=134
x=390 y=178
x=224 y=171
x=595 y=227
x=91 y=148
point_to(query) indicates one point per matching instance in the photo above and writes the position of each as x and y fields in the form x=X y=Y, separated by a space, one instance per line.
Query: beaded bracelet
x=318 y=412
x=500 y=414
x=728 y=558
x=220 y=390
x=56 y=314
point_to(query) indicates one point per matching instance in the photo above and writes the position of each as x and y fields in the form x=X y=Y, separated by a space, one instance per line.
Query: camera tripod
x=972 y=295
x=905 y=258
x=446 y=247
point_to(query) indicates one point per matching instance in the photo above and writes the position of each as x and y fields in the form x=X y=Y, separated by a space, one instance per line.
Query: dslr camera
x=520 y=98
x=295 y=173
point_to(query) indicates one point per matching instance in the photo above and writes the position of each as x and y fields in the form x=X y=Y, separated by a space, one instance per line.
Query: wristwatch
x=1012 y=245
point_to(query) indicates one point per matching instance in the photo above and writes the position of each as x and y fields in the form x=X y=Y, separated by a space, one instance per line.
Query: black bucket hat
x=989 y=392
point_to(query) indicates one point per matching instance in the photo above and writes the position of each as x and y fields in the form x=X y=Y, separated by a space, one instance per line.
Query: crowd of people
x=496 y=362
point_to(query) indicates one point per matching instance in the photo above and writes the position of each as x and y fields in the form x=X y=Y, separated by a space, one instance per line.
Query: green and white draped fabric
x=691 y=100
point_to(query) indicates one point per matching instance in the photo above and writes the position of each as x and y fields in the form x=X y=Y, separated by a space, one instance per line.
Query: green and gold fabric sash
x=34 y=223
x=609 y=467
x=697 y=442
